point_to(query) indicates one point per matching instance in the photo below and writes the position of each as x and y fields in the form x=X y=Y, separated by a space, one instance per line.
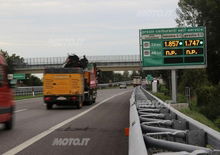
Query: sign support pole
x=174 y=82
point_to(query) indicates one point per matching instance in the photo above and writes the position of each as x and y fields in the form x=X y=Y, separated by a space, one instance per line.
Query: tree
x=187 y=14
x=118 y=77
x=135 y=73
x=195 y=79
x=12 y=61
x=32 y=80
x=126 y=76
x=107 y=76
x=204 y=13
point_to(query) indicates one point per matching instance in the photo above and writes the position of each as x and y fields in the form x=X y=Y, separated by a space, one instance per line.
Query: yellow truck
x=74 y=83
x=63 y=86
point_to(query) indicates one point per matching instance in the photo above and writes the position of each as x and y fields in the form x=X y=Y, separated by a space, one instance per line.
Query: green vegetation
x=163 y=89
x=204 y=83
x=111 y=76
x=192 y=111
x=209 y=102
x=32 y=80
x=12 y=60
x=26 y=97
x=181 y=98
x=200 y=117
x=204 y=13
x=162 y=96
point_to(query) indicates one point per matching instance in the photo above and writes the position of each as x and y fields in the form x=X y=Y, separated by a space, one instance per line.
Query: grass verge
x=26 y=97
x=180 y=98
x=194 y=114
x=162 y=96
x=200 y=117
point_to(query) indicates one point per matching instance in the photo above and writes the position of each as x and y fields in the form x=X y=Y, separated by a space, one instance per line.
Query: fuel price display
x=173 y=47
x=173 y=43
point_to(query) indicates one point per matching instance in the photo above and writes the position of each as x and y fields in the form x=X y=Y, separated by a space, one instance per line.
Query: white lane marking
x=20 y=110
x=50 y=130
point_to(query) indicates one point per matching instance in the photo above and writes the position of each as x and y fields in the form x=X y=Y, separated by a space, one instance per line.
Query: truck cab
x=6 y=97
x=137 y=80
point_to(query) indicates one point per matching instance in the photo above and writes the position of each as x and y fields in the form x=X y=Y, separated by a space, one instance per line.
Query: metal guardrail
x=167 y=131
x=38 y=90
x=136 y=141
x=28 y=91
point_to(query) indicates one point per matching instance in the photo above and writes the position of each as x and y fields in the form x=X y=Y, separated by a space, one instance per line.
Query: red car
x=6 y=97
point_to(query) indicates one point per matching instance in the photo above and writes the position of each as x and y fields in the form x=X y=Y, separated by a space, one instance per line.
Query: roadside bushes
x=193 y=78
x=208 y=102
x=163 y=89
x=217 y=122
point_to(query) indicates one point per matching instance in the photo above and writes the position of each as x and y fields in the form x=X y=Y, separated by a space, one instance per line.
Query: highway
x=100 y=126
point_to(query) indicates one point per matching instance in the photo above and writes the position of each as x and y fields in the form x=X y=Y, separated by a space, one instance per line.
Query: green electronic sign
x=149 y=77
x=19 y=76
x=173 y=48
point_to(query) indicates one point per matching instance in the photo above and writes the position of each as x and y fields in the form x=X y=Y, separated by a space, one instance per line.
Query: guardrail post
x=173 y=78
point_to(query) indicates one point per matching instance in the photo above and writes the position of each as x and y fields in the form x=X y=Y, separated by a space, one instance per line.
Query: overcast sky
x=50 y=28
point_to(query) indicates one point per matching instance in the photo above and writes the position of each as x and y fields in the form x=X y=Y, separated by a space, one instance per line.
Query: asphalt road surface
x=97 y=129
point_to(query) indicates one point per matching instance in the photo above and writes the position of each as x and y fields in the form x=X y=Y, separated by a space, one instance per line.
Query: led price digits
x=193 y=43
x=194 y=51
x=173 y=43
x=173 y=52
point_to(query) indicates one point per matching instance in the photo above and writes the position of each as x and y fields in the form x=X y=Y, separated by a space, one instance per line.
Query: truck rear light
x=74 y=98
x=47 y=98
x=92 y=82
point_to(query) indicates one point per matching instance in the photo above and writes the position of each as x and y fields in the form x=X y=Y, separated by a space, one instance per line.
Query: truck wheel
x=49 y=106
x=93 y=101
x=79 y=105
x=9 y=124
x=90 y=100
